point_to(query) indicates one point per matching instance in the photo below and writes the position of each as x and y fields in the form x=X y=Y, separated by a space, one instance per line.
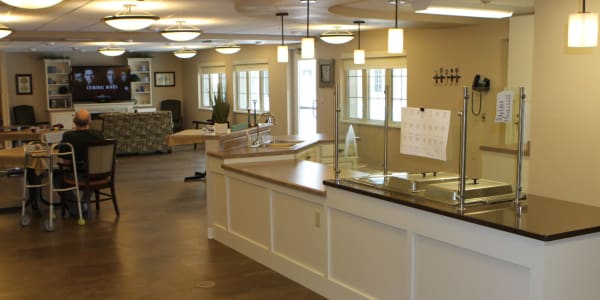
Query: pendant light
x=359 y=54
x=185 y=53
x=396 y=36
x=180 y=33
x=111 y=51
x=231 y=49
x=129 y=21
x=336 y=36
x=32 y=4
x=4 y=31
x=583 y=29
x=282 y=50
x=308 y=43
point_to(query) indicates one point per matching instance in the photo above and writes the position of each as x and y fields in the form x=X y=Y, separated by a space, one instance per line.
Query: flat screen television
x=100 y=83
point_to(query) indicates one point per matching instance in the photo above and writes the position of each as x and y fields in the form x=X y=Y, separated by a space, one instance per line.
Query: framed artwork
x=164 y=79
x=23 y=84
x=326 y=73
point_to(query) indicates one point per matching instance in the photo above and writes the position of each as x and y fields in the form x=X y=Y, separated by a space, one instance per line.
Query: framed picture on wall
x=164 y=79
x=23 y=82
x=326 y=73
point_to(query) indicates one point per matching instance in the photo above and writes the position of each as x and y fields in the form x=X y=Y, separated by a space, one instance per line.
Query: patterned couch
x=138 y=132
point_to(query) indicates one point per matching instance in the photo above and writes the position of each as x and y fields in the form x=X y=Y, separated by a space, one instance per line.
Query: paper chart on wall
x=425 y=132
x=504 y=106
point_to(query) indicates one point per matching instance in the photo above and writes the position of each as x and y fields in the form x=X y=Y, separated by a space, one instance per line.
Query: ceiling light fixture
x=32 y=4
x=185 y=53
x=583 y=29
x=465 y=12
x=359 y=54
x=180 y=34
x=129 y=21
x=228 y=49
x=396 y=36
x=282 y=50
x=4 y=31
x=336 y=36
x=111 y=51
x=308 y=43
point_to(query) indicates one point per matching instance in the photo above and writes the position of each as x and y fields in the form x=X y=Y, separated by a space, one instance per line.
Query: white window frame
x=203 y=101
x=263 y=101
x=392 y=66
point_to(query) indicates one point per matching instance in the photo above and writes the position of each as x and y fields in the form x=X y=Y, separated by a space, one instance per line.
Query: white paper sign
x=425 y=132
x=504 y=106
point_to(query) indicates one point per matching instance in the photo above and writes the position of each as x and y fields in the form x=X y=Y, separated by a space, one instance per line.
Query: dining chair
x=98 y=173
x=174 y=106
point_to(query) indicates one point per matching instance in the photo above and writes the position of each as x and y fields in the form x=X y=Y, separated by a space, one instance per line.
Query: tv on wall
x=100 y=83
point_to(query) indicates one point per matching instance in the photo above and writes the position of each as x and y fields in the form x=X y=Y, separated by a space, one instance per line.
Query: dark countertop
x=544 y=219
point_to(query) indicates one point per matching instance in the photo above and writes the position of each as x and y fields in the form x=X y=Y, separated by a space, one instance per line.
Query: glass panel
x=242 y=88
x=205 y=90
x=376 y=81
x=254 y=88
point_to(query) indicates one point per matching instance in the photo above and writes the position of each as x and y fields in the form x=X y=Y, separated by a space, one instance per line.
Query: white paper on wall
x=425 y=132
x=504 y=106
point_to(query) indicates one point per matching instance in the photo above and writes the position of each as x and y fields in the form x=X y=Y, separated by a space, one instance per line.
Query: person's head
x=123 y=76
x=88 y=74
x=110 y=75
x=82 y=119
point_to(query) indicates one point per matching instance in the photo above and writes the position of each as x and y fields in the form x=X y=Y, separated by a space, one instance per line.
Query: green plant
x=220 y=107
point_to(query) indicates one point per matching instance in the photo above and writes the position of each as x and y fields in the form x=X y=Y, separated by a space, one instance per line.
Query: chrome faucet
x=269 y=118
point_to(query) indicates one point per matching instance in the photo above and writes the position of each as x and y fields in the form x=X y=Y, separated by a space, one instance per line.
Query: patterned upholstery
x=138 y=132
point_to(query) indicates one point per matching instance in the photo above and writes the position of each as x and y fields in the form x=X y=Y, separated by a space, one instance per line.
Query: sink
x=281 y=144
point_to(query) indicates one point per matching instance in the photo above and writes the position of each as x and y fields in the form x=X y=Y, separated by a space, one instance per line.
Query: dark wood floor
x=157 y=249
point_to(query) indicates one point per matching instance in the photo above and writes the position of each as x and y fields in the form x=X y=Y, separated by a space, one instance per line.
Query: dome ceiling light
x=228 y=49
x=185 y=53
x=179 y=33
x=111 y=51
x=4 y=31
x=32 y=4
x=337 y=36
x=129 y=21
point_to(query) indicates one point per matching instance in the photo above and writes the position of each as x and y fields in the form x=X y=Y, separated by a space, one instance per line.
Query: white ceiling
x=75 y=25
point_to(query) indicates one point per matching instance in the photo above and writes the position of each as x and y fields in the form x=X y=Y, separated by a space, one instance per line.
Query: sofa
x=138 y=133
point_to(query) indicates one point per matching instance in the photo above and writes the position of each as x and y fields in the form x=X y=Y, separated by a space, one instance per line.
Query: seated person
x=79 y=138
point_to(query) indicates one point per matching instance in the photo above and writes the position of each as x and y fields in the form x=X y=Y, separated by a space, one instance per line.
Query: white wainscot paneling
x=249 y=212
x=221 y=200
x=368 y=257
x=299 y=232
x=444 y=271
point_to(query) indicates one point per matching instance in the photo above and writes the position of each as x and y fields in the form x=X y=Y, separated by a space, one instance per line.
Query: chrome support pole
x=463 y=150
x=386 y=126
x=518 y=184
x=337 y=133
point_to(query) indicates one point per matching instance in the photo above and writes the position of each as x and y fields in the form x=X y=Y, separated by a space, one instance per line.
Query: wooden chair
x=98 y=173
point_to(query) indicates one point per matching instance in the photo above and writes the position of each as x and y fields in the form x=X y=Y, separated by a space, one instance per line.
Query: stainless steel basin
x=477 y=190
x=404 y=182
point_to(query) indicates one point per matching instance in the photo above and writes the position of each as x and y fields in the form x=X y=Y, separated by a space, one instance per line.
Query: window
x=365 y=94
x=209 y=81
x=252 y=84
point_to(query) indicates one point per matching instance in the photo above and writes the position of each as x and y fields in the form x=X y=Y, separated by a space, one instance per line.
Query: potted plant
x=220 y=112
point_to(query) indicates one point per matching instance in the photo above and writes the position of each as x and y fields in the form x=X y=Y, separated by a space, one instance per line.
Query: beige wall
x=565 y=118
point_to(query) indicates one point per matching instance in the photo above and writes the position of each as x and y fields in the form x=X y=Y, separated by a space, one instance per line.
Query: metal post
x=518 y=184
x=337 y=133
x=463 y=150
x=385 y=131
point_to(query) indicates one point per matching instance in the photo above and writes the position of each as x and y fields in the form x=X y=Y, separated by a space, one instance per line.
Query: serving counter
x=349 y=241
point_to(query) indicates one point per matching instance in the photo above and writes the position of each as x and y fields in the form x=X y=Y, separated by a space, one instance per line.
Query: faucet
x=268 y=118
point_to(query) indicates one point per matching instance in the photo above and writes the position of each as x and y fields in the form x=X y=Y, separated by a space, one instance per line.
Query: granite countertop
x=245 y=151
x=542 y=218
x=303 y=175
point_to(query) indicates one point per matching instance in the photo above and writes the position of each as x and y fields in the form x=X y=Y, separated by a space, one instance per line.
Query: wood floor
x=157 y=249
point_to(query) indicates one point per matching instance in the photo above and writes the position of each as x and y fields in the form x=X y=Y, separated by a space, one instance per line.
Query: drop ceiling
x=75 y=25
